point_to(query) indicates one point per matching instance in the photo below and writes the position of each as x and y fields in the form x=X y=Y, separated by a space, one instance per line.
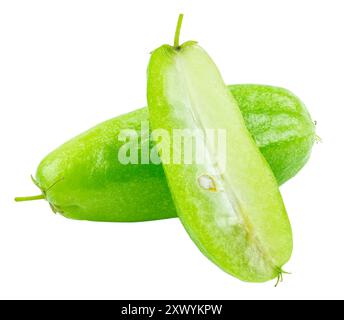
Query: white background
x=67 y=65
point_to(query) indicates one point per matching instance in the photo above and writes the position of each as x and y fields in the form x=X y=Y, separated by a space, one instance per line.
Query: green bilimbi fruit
x=84 y=180
x=235 y=213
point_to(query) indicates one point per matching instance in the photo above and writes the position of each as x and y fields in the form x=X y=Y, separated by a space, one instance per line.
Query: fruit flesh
x=243 y=227
x=97 y=187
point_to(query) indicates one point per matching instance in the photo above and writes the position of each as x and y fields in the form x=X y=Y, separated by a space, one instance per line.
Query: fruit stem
x=21 y=199
x=177 y=34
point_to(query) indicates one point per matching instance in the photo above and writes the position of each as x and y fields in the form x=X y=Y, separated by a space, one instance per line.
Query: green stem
x=21 y=199
x=177 y=34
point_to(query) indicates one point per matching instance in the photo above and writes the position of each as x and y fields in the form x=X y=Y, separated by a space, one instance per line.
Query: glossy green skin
x=280 y=124
x=97 y=187
x=239 y=222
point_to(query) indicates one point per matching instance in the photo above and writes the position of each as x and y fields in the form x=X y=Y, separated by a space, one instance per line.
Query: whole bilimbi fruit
x=83 y=179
